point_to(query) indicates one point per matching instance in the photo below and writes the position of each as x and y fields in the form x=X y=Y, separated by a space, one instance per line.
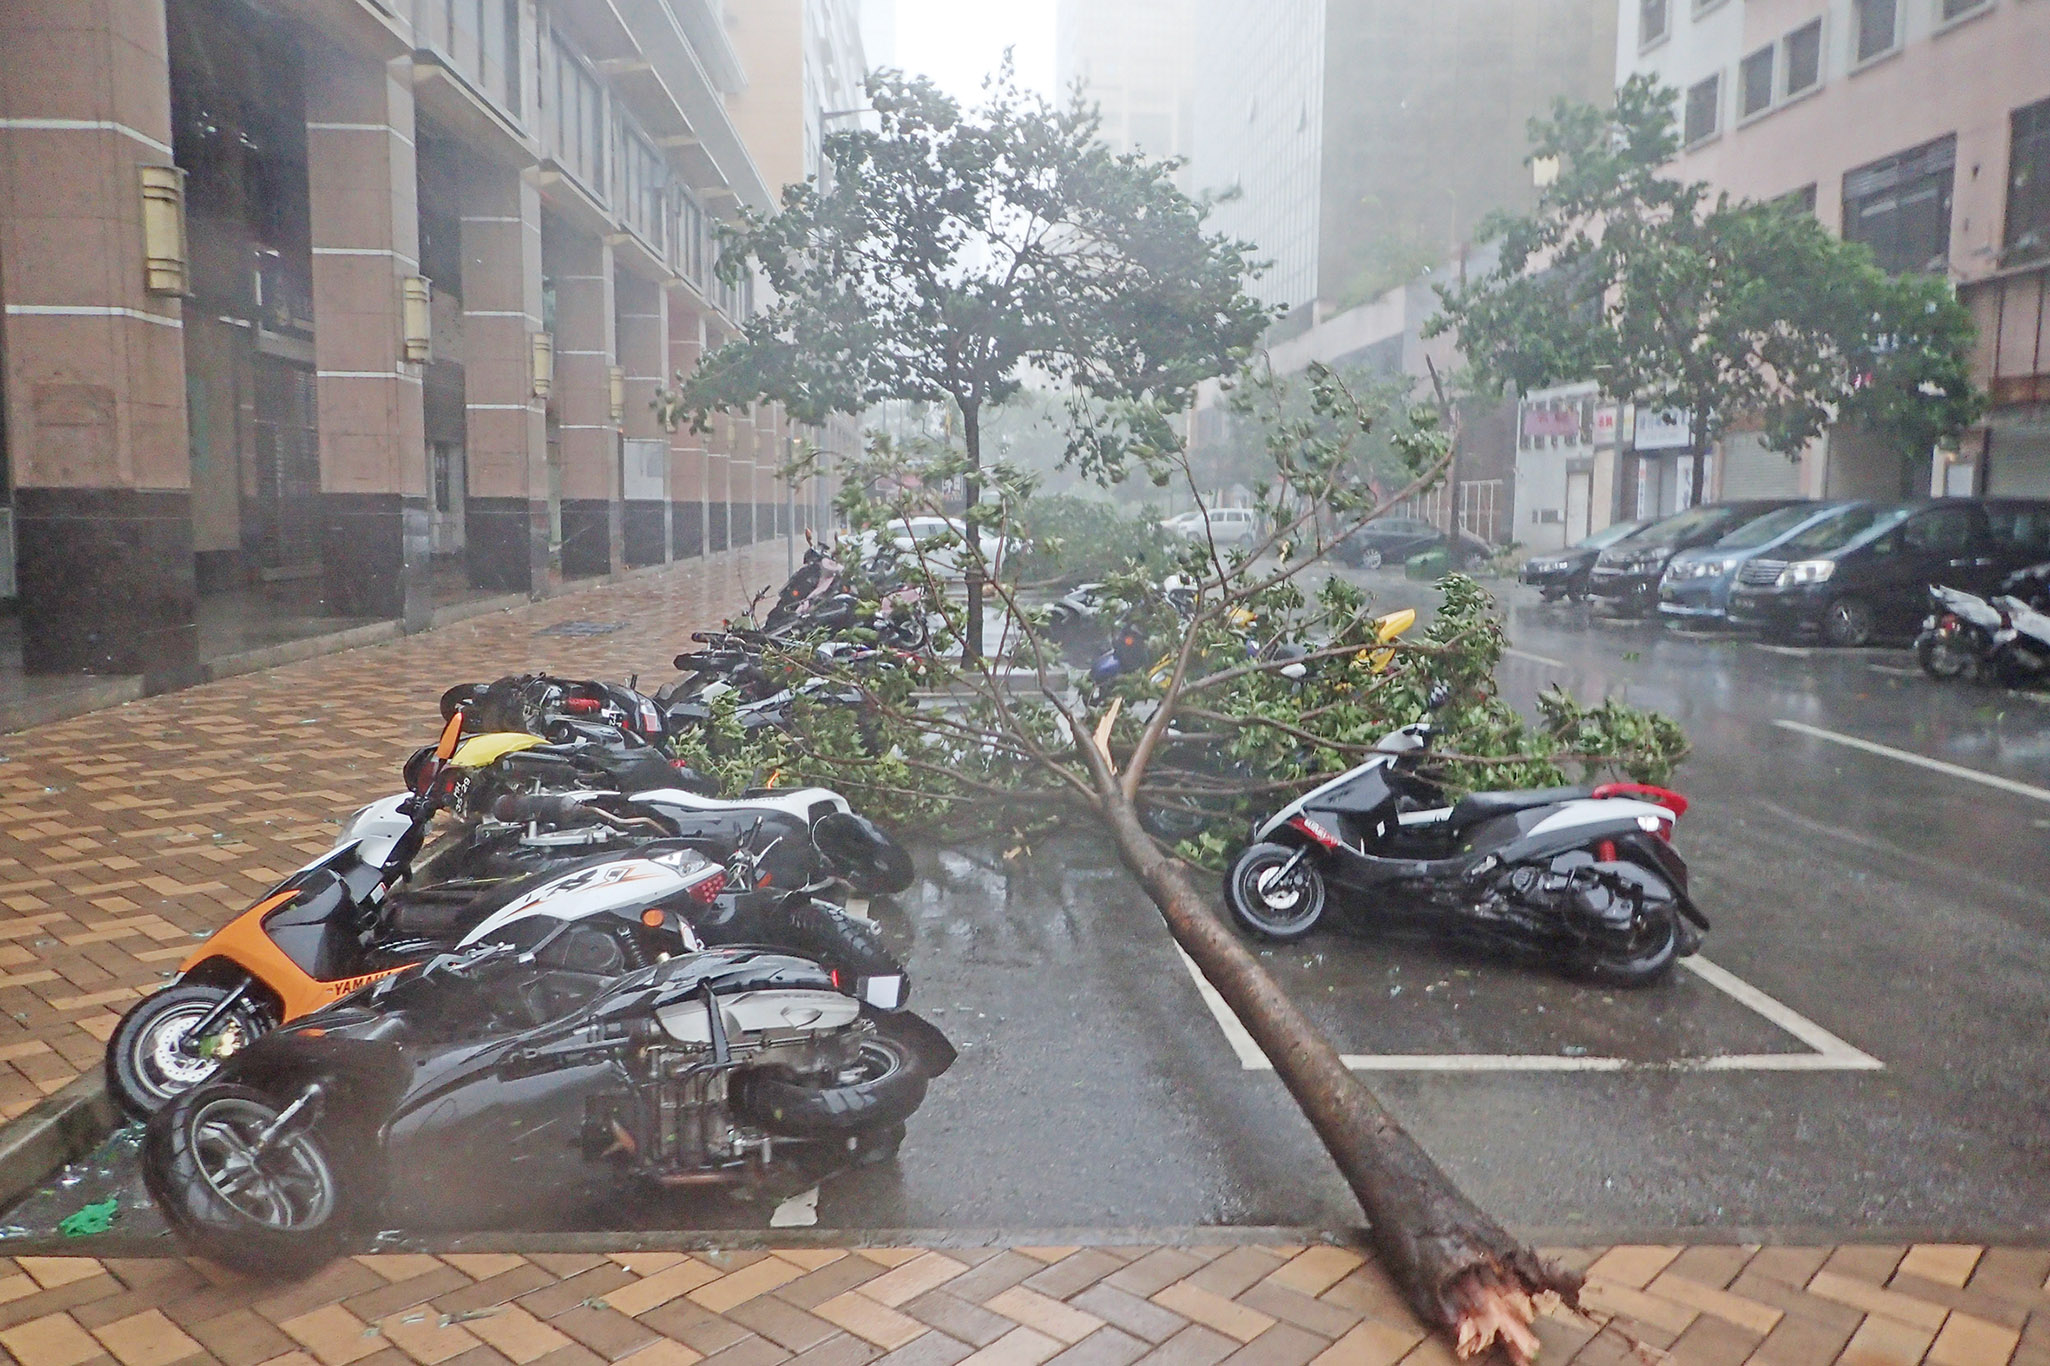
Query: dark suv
x=1867 y=574
x=1627 y=574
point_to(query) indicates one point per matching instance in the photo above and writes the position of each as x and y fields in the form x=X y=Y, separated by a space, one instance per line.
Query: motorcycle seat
x=1476 y=807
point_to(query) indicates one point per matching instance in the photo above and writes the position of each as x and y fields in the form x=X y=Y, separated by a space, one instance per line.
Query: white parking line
x=1797 y=651
x=1919 y=760
x=1830 y=1054
x=1545 y=660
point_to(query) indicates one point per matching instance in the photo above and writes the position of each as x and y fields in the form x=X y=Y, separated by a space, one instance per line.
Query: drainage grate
x=582 y=628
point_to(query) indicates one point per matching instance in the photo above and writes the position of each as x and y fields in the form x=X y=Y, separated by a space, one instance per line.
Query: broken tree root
x=1493 y=1307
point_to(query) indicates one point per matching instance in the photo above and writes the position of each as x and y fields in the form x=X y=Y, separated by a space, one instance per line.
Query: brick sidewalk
x=127 y=834
x=1095 y=1306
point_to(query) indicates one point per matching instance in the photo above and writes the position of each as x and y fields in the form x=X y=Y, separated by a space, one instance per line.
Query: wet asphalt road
x=1888 y=912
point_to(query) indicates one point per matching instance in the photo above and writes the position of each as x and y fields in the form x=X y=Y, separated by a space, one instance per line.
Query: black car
x=1627 y=573
x=1563 y=573
x=1867 y=574
x=1392 y=540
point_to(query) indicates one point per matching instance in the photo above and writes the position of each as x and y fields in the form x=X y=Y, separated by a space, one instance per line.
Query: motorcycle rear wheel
x=1645 y=958
x=1266 y=904
x=275 y=1211
x=883 y=1088
x=148 y=1065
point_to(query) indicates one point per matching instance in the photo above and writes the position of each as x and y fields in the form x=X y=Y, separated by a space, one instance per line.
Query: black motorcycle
x=1584 y=876
x=498 y=1086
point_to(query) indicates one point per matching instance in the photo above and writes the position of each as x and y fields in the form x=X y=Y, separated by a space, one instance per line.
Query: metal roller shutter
x=2019 y=462
x=1751 y=470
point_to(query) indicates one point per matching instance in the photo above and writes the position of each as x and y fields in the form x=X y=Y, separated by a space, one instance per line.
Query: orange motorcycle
x=310 y=940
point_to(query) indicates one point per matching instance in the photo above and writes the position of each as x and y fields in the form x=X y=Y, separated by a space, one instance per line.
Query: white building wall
x=1259 y=121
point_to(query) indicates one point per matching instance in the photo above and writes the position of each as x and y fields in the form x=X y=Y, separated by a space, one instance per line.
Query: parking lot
x=1856 y=1051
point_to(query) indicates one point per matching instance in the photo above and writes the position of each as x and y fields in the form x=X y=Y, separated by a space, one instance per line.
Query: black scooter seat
x=1476 y=807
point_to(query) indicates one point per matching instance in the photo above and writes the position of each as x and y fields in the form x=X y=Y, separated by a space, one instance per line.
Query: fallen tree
x=1013 y=736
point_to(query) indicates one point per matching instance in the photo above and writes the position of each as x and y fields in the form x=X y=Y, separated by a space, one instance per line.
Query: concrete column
x=94 y=384
x=643 y=353
x=686 y=447
x=585 y=351
x=363 y=192
x=505 y=508
x=740 y=497
x=770 y=458
x=719 y=484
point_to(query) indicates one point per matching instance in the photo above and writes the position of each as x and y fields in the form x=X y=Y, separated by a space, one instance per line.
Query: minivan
x=1866 y=574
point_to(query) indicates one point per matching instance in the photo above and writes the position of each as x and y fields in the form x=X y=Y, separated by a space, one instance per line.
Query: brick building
x=347 y=307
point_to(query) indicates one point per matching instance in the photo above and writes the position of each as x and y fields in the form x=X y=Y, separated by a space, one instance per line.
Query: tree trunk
x=1462 y=1272
x=1699 y=435
x=971 y=493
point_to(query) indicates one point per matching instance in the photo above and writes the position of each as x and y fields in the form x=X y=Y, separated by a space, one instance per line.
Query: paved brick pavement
x=126 y=834
x=1019 y=1306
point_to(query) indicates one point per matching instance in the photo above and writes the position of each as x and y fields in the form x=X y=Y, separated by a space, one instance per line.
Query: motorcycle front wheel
x=1274 y=893
x=235 y=1191
x=152 y=1057
x=1942 y=656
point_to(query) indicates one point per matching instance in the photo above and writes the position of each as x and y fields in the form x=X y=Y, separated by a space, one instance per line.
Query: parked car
x=940 y=541
x=1867 y=574
x=1226 y=528
x=1392 y=540
x=1563 y=573
x=1696 y=584
x=1627 y=573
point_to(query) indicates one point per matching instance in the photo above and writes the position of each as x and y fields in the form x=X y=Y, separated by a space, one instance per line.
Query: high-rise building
x=1921 y=127
x=805 y=65
x=1362 y=141
x=1135 y=60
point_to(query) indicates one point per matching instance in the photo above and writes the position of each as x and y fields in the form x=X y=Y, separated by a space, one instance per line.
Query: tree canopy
x=1727 y=310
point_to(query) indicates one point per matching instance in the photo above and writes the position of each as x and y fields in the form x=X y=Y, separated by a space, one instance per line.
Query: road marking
x=1830 y=1054
x=1894 y=671
x=1545 y=660
x=1797 y=651
x=799 y=1211
x=1919 y=760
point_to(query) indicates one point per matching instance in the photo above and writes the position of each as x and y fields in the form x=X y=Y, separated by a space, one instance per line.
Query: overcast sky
x=958 y=42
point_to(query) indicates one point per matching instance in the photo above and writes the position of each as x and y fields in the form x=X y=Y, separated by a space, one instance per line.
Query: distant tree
x=949 y=255
x=1726 y=310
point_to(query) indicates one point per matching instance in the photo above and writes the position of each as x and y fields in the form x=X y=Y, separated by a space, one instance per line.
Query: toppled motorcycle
x=502 y=1084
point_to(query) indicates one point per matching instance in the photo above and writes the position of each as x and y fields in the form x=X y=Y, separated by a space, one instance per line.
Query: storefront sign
x=1605 y=424
x=1671 y=430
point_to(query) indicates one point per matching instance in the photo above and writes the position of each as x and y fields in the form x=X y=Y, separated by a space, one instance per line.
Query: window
x=2021 y=527
x=1754 y=83
x=1704 y=110
x=1944 y=531
x=1651 y=21
x=1948 y=10
x=1878 y=23
x=1804 y=58
x=1900 y=207
x=2028 y=183
x=1798 y=201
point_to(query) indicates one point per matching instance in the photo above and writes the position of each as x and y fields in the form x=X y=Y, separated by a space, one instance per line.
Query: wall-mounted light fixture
x=616 y=378
x=417 y=295
x=544 y=364
x=164 y=253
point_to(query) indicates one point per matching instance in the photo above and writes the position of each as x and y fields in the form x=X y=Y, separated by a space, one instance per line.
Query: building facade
x=354 y=305
x=1136 y=61
x=1921 y=127
x=1361 y=142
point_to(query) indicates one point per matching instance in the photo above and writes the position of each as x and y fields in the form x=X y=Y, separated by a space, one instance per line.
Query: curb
x=66 y=1125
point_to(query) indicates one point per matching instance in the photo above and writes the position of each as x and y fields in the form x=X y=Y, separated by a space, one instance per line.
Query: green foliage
x=971 y=747
x=1086 y=540
x=951 y=252
x=1729 y=310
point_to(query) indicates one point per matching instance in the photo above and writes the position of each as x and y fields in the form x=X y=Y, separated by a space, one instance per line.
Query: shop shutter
x=1752 y=470
x=2020 y=463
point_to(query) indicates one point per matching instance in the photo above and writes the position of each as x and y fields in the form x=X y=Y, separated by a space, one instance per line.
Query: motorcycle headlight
x=1806 y=571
